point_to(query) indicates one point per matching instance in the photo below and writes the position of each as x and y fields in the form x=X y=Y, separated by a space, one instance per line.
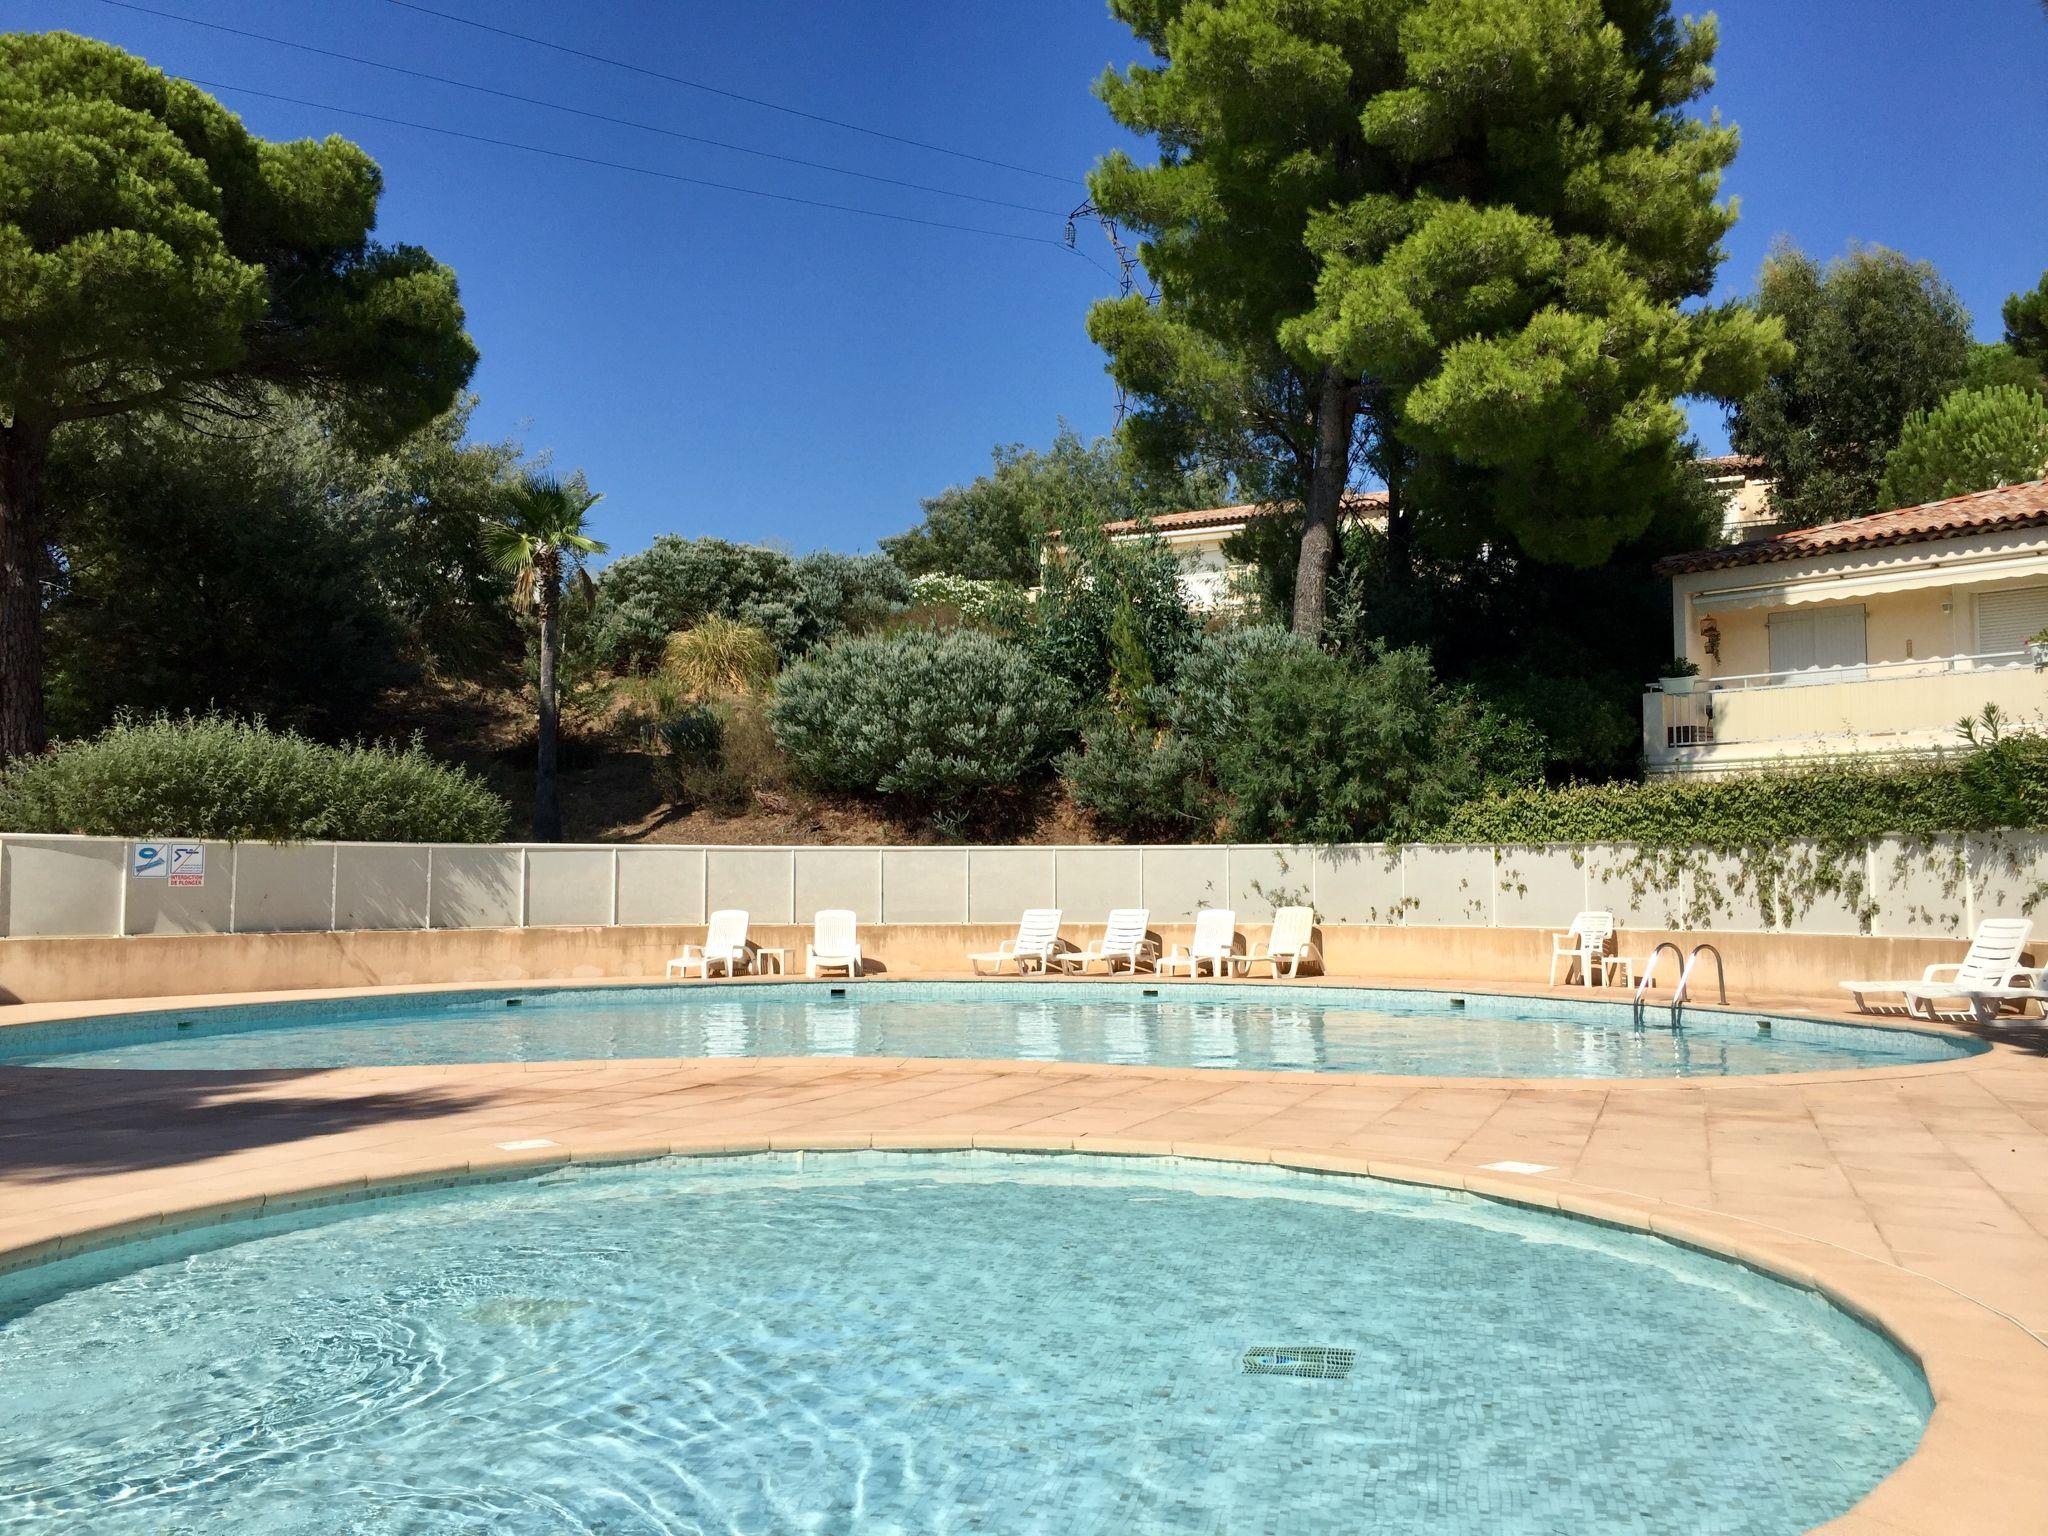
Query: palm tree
x=540 y=539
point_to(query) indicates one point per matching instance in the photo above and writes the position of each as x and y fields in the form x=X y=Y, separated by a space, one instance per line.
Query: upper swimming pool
x=1175 y=1024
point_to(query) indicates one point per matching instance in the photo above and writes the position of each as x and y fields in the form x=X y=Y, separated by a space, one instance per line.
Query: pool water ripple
x=1309 y=1029
x=899 y=1343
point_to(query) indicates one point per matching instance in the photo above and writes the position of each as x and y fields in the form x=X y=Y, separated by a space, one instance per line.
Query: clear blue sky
x=723 y=364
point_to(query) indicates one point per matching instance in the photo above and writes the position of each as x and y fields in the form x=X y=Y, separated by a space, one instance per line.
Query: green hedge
x=2002 y=785
x=230 y=779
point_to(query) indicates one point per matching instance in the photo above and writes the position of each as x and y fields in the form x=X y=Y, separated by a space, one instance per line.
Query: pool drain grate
x=1319 y=1360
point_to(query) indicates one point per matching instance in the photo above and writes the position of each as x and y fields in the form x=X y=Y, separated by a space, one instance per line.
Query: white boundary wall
x=59 y=886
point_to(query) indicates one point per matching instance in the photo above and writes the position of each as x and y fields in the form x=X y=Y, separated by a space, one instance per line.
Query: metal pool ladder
x=1689 y=963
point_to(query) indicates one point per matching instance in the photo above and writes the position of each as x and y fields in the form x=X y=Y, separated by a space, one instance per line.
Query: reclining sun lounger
x=1988 y=976
x=1290 y=941
x=1126 y=939
x=1038 y=937
x=725 y=944
x=1213 y=944
x=835 y=944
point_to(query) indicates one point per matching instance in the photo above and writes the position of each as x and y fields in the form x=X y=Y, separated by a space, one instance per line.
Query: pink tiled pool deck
x=1916 y=1196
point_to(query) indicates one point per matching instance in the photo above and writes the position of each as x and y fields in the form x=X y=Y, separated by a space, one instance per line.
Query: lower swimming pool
x=888 y=1342
x=1306 y=1029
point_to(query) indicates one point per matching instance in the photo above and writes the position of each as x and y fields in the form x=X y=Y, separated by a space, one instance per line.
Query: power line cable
x=637 y=170
x=557 y=106
x=699 y=85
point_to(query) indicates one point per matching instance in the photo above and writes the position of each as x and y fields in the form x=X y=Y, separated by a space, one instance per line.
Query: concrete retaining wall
x=55 y=970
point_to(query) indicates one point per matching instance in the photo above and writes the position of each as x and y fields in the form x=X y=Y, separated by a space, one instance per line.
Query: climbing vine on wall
x=1780 y=843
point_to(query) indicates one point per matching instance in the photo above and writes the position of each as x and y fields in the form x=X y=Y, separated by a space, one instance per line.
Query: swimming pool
x=889 y=1342
x=1307 y=1029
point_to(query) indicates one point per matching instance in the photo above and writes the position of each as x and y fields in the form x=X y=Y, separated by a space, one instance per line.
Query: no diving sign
x=188 y=864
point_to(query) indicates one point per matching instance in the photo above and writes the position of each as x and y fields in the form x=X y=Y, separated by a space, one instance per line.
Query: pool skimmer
x=1323 y=1361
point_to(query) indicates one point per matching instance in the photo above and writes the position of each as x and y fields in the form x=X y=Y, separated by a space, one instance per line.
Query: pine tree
x=1975 y=440
x=1444 y=241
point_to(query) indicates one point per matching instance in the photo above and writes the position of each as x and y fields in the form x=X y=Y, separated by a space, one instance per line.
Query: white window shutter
x=2007 y=620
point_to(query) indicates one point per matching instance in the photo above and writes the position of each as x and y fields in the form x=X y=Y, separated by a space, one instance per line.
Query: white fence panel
x=1179 y=882
x=284 y=889
x=66 y=886
x=924 y=885
x=475 y=887
x=761 y=881
x=1003 y=882
x=381 y=885
x=571 y=887
x=661 y=885
x=56 y=886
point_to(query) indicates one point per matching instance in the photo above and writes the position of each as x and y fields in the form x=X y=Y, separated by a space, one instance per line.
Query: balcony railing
x=1866 y=671
x=1763 y=706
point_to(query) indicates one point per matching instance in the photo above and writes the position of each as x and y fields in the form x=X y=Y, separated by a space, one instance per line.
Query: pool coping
x=1989 y=1389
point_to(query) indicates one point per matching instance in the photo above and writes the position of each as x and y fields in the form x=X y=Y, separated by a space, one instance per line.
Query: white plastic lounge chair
x=1125 y=939
x=1986 y=1001
x=1038 y=938
x=1989 y=974
x=1288 y=942
x=1584 y=945
x=1212 y=944
x=835 y=944
x=725 y=944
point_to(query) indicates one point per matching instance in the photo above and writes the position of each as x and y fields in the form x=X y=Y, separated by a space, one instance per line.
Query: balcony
x=1880 y=709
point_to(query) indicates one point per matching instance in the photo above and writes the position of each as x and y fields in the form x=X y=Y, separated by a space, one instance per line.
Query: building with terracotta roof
x=1870 y=637
x=1211 y=579
x=1745 y=489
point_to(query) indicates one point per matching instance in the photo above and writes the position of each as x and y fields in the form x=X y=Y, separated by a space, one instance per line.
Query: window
x=1825 y=646
x=2007 y=620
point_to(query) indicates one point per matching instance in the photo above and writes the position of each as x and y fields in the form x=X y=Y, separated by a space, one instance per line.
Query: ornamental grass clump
x=926 y=717
x=208 y=776
x=718 y=657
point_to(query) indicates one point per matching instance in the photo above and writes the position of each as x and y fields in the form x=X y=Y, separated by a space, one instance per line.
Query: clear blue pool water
x=1321 y=1029
x=892 y=1343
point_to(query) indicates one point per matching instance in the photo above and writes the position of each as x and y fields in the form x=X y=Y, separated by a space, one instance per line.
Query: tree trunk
x=1400 y=531
x=1324 y=503
x=547 y=804
x=24 y=453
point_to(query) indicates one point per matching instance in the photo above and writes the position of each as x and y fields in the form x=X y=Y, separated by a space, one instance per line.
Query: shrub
x=719 y=656
x=1999 y=785
x=1330 y=752
x=716 y=757
x=208 y=776
x=835 y=596
x=1281 y=741
x=921 y=715
x=1217 y=680
x=1107 y=605
x=677 y=583
x=1142 y=783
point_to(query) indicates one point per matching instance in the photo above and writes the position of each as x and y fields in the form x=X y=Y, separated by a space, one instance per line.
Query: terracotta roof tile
x=2008 y=507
